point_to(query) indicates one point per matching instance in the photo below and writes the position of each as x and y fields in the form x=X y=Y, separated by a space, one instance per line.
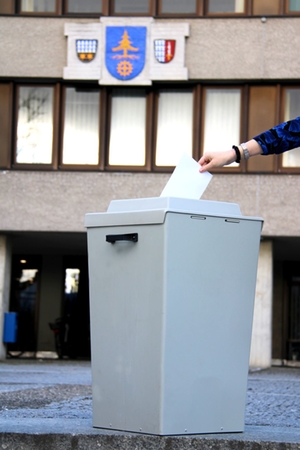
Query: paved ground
x=48 y=404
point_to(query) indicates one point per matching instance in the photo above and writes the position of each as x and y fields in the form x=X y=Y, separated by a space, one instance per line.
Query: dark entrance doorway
x=24 y=300
x=76 y=306
x=286 y=302
x=49 y=255
x=293 y=312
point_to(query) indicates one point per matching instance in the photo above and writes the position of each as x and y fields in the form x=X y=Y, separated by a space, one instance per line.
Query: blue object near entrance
x=10 y=328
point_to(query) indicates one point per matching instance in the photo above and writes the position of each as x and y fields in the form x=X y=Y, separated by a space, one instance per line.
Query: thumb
x=205 y=167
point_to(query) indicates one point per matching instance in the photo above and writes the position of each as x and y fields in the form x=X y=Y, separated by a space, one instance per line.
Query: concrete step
x=50 y=434
x=48 y=405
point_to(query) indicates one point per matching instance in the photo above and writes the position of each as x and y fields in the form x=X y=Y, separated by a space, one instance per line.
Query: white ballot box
x=172 y=285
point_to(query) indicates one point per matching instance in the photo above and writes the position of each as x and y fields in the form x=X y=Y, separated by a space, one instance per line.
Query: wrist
x=232 y=157
x=244 y=151
x=237 y=154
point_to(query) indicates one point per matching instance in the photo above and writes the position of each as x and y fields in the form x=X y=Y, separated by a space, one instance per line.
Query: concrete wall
x=243 y=49
x=261 y=343
x=39 y=47
x=58 y=201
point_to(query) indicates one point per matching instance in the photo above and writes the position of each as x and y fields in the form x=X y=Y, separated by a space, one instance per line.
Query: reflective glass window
x=291 y=110
x=178 y=6
x=174 y=126
x=294 y=5
x=127 y=143
x=131 y=6
x=38 y=6
x=222 y=119
x=81 y=127
x=86 y=6
x=35 y=125
x=226 y=6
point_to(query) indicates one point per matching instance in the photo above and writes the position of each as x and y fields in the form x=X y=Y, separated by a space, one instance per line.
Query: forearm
x=281 y=138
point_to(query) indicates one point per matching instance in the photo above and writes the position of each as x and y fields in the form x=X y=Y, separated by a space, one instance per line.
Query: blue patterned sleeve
x=281 y=138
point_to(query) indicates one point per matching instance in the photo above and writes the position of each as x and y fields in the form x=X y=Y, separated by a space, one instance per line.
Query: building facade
x=98 y=100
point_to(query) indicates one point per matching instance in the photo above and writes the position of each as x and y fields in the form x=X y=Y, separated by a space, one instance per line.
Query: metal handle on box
x=130 y=237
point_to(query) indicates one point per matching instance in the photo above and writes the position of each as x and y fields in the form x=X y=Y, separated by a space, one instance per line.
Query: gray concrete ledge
x=48 y=405
x=53 y=434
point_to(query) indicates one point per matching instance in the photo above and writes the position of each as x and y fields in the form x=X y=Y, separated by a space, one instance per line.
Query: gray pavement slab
x=48 y=404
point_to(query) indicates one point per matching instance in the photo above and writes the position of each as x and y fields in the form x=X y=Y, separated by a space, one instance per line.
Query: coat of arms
x=86 y=49
x=164 y=50
x=125 y=51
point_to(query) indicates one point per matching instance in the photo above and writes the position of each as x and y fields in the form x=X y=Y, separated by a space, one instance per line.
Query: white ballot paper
x=186 y=181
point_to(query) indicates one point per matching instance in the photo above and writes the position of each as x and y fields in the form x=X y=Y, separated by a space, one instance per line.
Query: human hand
x=216 y=159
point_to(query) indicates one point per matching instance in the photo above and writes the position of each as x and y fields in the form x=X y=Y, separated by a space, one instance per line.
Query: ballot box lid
x=154 y=209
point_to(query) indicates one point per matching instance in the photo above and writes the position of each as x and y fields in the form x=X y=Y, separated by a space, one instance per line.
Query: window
x=35 y=125
x=174 y=126
x=178 y=6
x=226 y=6
x=222 y=119
x=294 y=6
x=47 y=6
x=291 y=110
x=81 y=127
x=151 y=7
x=92 y=127
x=127 y=142
x=131 y=6
x=86 y=6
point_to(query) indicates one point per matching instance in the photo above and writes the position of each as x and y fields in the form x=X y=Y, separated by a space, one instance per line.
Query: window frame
x=8 y=8
x=262 y=96
x=101 y=123
x=281 y=9
x=6 y=121
x=55 y=114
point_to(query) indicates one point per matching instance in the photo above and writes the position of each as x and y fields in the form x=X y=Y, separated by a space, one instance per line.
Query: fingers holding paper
x=216 y=159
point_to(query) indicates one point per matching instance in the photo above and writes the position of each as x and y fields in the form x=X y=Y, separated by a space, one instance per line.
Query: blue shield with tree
x=125 y=51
